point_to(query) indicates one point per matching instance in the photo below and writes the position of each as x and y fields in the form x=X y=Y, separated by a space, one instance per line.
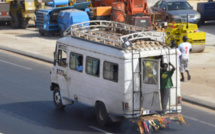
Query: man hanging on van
x=166 y=84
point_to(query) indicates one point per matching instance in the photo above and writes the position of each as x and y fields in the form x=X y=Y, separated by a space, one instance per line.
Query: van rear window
x=110 y=71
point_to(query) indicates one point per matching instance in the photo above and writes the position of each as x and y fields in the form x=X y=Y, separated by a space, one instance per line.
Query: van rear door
x=150 y=84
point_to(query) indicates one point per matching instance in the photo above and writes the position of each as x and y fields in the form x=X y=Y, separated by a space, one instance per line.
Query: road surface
x=26 y=106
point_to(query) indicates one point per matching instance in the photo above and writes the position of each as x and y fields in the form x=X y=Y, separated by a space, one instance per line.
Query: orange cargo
x=118 y=12
x=101 y=11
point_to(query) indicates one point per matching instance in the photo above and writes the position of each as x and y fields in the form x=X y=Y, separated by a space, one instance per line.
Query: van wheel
x=102 y=115
x=57 y=98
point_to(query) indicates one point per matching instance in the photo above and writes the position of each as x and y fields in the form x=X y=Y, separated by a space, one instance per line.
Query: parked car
x=177 y=10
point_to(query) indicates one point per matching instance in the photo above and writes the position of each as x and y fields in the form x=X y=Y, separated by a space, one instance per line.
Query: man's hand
x=173 y=68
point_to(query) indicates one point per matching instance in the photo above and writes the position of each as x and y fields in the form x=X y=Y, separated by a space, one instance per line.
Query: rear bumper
x=136 y=114
x=5 y=18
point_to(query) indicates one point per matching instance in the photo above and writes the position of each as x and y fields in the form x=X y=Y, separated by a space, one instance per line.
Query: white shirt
x=178 y=55
x=185 y=49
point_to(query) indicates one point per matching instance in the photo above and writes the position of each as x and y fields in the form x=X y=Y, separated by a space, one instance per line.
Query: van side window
x=62 y=58
x=92 y=66
x=76 y=62
x=110 y=71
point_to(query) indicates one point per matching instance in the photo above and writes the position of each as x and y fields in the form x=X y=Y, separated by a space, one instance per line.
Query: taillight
x=179 y=99
x=125 y=105
x=4 y=13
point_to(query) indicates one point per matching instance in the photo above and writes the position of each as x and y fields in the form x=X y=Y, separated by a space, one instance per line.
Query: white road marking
x=194 y=119
x=100 y=130
x=13 y=64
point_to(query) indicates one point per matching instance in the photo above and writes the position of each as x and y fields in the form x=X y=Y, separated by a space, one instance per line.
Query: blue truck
x=207 y=11
x=58 y=19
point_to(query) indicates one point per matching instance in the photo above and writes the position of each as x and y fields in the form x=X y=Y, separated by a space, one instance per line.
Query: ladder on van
x=134 y=72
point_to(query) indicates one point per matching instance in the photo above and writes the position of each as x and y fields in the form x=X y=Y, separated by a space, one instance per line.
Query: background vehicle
x=69 y=17
x=5 y=18
x=196 y=38
x=207 y=11
x=24 y=10
x=177 y=10
x=58 y=19
x=134 y=12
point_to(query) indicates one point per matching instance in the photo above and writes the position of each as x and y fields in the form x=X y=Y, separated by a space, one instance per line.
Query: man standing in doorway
x=185 y=49
x=166 y=84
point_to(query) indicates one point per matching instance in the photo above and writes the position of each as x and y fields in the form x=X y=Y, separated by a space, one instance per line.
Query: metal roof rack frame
x=114 y=34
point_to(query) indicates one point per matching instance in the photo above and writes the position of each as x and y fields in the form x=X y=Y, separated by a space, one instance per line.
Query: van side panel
x=88 y=89
x=176 y=82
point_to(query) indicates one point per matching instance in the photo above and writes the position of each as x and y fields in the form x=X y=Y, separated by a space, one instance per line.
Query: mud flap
x=149 y=123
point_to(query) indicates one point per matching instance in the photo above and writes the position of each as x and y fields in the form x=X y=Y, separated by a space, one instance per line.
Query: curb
x=185 y=98
x=198 y=102
x=28 y=54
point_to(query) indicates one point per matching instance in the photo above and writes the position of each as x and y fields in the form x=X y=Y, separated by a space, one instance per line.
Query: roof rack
x=115 y=34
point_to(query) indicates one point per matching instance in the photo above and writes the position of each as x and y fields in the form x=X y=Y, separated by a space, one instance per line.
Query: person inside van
x=166 y=84
x=80 y=64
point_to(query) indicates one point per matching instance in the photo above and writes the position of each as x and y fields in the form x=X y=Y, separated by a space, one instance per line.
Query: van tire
x=102 y=115
x=57 y=98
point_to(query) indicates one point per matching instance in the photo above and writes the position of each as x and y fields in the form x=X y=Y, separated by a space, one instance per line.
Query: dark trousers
x=164 y=98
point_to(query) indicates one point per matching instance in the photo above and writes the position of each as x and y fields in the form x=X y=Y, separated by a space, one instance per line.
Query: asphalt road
x=26 y=106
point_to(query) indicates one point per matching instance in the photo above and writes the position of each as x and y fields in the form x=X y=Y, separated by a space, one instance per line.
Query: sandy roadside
x=202 y=69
